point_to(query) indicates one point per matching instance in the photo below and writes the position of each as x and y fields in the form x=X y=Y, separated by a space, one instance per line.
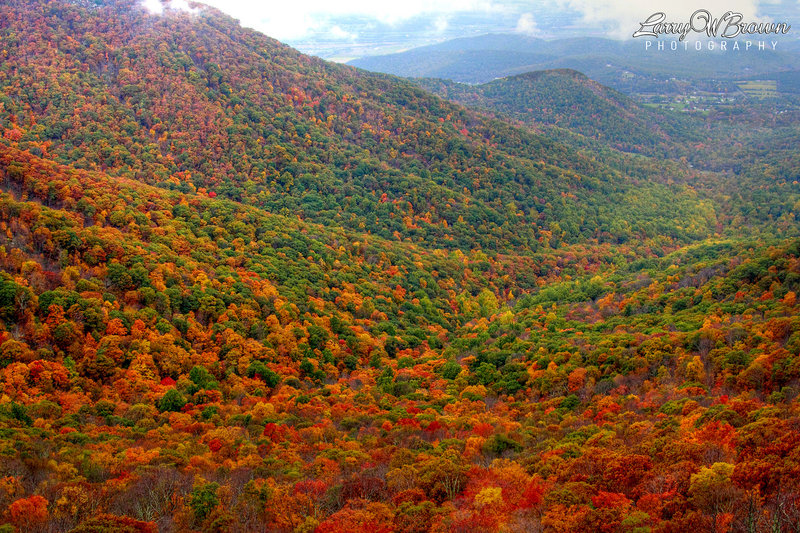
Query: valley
x=245 y=289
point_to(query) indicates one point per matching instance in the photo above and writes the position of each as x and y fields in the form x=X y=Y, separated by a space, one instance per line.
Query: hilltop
x=568 y=99
x=192 y=101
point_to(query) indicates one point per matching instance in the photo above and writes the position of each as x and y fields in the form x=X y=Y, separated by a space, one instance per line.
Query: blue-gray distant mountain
x=619 y=64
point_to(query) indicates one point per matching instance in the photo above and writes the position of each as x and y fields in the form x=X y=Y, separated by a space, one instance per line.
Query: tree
x=171 y=401
x=29 y=514
x=202 y=500
x=713 y=491
x=443 y=477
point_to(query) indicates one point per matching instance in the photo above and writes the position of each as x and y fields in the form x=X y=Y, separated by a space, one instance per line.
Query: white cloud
x=293 y=20
x=154 y=7
x=182 y=5
x=336 y=32
x=341 y=19
x=622 y=17
x=527 y=25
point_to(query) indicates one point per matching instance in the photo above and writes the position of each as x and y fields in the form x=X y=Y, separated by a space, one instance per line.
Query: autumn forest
x=243 y=289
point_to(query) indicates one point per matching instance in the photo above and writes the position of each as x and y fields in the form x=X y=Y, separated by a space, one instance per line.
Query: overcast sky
x=324 y=26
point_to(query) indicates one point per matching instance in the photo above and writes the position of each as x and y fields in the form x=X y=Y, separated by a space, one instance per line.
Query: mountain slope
x=570 y=100
x=295 y=135
x=208 y=322
x=190 y=363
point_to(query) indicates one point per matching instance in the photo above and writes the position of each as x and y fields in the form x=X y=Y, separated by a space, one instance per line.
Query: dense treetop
x=242 y=290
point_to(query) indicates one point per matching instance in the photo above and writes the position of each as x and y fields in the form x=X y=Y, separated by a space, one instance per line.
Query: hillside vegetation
x=244 y=290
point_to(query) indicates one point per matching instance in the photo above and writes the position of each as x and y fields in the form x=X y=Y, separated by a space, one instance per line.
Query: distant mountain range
x=618 y=64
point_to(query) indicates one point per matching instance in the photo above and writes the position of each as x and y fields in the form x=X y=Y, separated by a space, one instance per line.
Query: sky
x=343 y=29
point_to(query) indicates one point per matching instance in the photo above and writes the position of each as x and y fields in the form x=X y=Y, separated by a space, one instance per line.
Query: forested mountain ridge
x=568 y=99
x=227 y=305
x=735 y=157
x=108 y=87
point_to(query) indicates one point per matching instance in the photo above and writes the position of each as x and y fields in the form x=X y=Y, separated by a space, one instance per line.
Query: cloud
x=621 y=18
x=156 y=7
x=527 y=25
x=336 y=32
x=183 y=5
x=348 y=20
x=294 y=20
